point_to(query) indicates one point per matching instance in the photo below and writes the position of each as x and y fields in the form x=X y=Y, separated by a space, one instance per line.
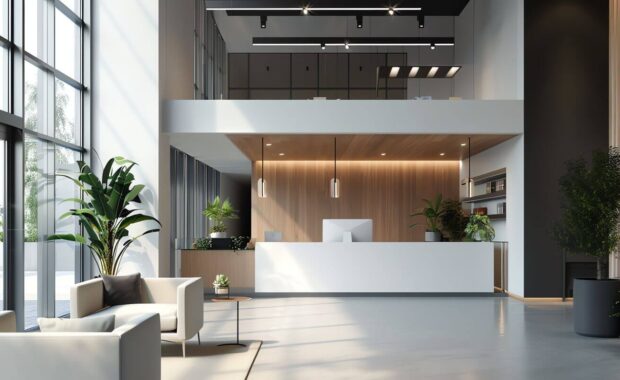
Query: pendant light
x=334 y=183
x=262 y=193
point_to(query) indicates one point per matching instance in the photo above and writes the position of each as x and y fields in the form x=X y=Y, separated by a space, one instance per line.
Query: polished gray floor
x=414 y=338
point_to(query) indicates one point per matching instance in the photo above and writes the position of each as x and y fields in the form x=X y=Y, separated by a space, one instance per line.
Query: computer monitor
x=347 y=230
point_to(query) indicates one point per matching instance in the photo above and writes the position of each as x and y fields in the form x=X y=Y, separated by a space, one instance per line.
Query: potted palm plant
x=590 y=205
x=106 y=212
x=219 y=211
x=432 y=212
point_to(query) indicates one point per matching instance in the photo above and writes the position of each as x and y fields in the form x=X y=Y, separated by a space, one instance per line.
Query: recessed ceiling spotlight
x=323 y=46
x=268 y=144
x=306 y=10
x=383 y=154
x=433 y=47
x=442 y=154
x=391 y=11
x=464 y=144
x=346 y=45
x=360 y=21
x=263 y=21
x=280 y=154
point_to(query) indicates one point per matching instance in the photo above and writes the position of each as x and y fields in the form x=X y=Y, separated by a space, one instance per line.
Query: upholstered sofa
x=130 y=352
x=178 y=301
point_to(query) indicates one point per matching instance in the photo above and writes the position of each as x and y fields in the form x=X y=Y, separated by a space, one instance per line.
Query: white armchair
x=130 y=352
x=7 y=322
x=178 y=301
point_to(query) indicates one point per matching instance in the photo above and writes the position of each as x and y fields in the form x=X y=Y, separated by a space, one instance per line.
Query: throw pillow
x=121 y=290
x=90 y=324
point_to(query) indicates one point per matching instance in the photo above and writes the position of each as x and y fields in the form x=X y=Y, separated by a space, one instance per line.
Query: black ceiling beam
x=353 y=40
x=429 y=7
x=318 y=13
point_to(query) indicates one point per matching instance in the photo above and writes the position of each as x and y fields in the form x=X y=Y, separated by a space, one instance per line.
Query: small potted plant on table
x=221 y=285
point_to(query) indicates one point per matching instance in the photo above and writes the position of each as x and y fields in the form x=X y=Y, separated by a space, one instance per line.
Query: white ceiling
x=238 y=31
x=215 y=150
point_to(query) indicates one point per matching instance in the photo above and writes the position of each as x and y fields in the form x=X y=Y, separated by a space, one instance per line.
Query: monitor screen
x=347 y=230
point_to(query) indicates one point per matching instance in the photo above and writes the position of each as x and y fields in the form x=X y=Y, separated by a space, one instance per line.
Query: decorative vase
x=432 y=236
x=218 y=235
x=593 y=306
x=221 y=291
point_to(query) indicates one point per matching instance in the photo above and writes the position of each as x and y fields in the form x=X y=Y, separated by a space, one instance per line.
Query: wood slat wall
x=387 y=192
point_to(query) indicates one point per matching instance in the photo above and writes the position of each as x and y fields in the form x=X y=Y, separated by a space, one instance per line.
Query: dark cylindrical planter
x=593 y=306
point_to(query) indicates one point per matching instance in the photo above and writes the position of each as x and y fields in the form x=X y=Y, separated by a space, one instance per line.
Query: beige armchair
x=7 y=322
x=178 y=301
x=130 y=352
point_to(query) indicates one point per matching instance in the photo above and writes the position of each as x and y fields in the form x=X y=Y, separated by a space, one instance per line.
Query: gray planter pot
x=432 y=236
x=593 y=305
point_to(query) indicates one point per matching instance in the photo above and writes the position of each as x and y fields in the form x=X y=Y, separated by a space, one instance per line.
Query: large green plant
x=218 y=211
x=590 y=204
x=479 y=228
x=432 y=212
x=105 y=213
x=453 y=220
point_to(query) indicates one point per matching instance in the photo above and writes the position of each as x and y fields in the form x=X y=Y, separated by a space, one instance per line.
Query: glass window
x=34 y=98
x=4 y=18
x=65 y=252
x=34 y=207
x=4 y=79
x=2 y=219
x=67 y=46
x=67 y=112
x=35 y=22
x=74 y=5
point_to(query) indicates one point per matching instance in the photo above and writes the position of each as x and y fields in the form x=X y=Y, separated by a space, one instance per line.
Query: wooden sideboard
x=238 y=266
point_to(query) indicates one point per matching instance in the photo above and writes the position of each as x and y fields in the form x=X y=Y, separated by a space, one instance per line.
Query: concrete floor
x=414 y=338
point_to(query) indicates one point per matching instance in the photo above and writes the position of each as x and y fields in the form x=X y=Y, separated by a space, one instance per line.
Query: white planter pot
x=432 y=236
x=218 y=235
x=221 y=291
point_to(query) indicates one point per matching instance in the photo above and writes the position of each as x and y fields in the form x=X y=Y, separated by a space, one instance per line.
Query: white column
x=614 y=98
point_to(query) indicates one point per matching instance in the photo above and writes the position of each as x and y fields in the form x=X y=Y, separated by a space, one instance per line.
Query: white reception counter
x=374 y=268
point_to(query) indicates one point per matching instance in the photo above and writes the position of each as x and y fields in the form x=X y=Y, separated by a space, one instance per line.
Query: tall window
x=53 y=123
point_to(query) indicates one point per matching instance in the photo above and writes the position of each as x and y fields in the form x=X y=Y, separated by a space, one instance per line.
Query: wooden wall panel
x=387 y=192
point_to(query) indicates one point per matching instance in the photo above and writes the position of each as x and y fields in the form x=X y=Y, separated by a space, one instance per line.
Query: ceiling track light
x=433 y=47
x=322 y=46
x=391 y=11
x=346 y=45
x=360 y=21
x=421 y=21
x=305 y=11
x=353 y=41
x=263 y=21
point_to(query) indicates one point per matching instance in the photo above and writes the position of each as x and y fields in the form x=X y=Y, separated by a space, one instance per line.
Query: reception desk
x=374 y=268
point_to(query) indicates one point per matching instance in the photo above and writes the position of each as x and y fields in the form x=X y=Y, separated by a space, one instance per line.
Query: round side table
x=236 y=300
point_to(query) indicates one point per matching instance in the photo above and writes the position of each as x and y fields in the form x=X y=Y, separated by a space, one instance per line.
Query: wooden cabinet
x=333 y=71
x=363 y=70
x=269 y=71
x=238 y=70
x=238 y=266
x=304 y=71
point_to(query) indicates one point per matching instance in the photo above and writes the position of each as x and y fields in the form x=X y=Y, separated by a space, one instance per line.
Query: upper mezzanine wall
x=343 y=117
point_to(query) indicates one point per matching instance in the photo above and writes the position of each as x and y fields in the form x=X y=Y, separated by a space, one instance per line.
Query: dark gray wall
x=566 y=116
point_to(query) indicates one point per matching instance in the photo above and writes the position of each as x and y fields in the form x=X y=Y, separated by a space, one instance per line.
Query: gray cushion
x=94 y=324
x=121 y=290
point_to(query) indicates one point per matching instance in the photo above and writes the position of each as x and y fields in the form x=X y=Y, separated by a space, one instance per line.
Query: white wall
x=507 y=155
x=142 y=53
x=489 y=46
x=347 y=116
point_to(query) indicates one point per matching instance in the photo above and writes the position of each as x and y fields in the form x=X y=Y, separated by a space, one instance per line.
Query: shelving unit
x=496 y=195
